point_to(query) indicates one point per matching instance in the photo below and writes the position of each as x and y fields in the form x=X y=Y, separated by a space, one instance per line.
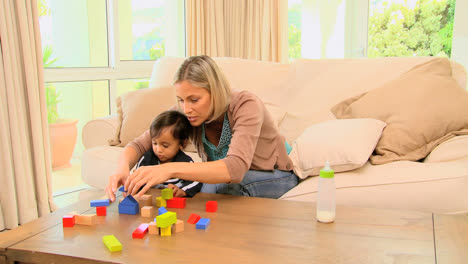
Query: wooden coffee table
x=246 y=230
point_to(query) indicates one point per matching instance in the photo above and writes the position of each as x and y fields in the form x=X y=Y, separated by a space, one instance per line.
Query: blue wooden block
x=122 y=189
x=203 y=223
x=96 y=203
x=129 y=206
x=162 y=210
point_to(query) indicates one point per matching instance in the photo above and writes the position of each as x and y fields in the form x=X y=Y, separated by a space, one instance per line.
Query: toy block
x=122 y=189
x=129 y=206
x=160 y=202
x=101 y=210
x=68 y=220
x=166 y=231
x=167 y=193
x=89 y=219
x=153 y=229
x=145 y=200
x=162 y=210
x=112 y=243
x=96 y=203
x=141 y=231
x=193 y=219
x=178 y=226
x=211 y=206
x=176 y=202
x=147 y=211
x=203 y=223
x=166 y=219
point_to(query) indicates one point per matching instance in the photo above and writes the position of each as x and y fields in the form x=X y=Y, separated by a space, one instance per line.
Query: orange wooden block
x=178 y=226
x=89 y=219
x=145 y=200
x=153 y=229
x=147 y=211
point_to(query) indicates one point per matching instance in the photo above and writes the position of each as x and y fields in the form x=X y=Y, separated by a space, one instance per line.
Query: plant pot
x=63 y=136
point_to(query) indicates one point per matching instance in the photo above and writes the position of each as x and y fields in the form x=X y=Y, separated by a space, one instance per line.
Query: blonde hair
x=202 y=71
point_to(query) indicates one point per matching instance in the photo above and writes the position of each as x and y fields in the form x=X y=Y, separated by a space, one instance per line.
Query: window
x=410 y=28
x=373 y=28
x=96 y=50
x=294 y=28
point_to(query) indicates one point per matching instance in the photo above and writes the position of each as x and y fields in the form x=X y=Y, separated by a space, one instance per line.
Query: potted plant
x=62 y=132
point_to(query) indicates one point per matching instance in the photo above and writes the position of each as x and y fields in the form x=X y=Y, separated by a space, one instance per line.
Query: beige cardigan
x=256 y=143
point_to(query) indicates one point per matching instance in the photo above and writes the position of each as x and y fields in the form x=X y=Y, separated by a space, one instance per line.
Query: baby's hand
x=177 y=192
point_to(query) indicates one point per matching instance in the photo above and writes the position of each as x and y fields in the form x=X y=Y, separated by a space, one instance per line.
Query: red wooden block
x=68 y=220
x=193 y=219
x=211 y=206
x=101 y=210
x=176 y=202
x=141 y=231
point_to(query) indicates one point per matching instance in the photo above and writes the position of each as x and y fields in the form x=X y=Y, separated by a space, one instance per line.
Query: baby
x=170 y=132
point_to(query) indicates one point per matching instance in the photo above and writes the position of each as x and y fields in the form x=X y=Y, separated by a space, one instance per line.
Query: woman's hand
x=177 y=192
x=114 y=182
x=145 y=176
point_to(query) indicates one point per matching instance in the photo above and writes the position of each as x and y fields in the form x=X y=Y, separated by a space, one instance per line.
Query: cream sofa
x=301 y=94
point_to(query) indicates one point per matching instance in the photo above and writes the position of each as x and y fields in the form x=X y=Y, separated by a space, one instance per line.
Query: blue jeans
x=268 y=184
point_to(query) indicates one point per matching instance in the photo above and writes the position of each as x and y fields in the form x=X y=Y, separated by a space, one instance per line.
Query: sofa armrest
x=97 y=132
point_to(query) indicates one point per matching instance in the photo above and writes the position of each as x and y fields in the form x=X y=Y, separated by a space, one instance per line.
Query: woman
x=234 y=134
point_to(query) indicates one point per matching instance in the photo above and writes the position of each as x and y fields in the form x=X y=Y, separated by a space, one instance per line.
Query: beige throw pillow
x=137 y=109
x=422 y=108
x=346 y=144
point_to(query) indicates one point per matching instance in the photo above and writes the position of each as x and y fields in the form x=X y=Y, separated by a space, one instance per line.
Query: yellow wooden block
x=112 y=243
x=160 y=202
x=153 y=229
x=147 y=211
x=178 y=226
x=166 y=231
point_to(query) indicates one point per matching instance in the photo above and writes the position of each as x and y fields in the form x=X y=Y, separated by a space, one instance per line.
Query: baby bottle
x=326 y=204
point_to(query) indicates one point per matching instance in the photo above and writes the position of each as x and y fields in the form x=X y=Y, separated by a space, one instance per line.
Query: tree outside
x=398 y=29
x=294 y=29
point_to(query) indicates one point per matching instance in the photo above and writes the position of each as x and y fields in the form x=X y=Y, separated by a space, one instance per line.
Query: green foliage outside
x=52 y=96
x=425 y=30
x=294 y=40
x=294 y=31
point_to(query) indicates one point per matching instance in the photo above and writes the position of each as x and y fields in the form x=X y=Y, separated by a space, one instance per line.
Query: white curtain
x=25 y=162
x=249 y=29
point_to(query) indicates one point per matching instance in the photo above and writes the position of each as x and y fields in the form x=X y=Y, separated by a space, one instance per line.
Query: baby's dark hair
x=181 y=127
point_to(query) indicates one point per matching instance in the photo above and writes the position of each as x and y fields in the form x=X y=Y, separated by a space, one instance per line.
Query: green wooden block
x=166 y=219
x=167 y=193
x=112 y=243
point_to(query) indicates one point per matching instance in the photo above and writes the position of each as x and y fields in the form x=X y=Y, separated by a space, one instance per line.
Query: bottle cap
x=327 y=172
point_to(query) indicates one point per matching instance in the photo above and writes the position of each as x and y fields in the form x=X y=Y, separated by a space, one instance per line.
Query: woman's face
x=194 y=101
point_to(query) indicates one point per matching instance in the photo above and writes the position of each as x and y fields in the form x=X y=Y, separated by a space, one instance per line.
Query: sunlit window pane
x=82 y=101
x=73 y=33
x=149 y=30
x=128 y=85
x=294 y=28
x=410 y=28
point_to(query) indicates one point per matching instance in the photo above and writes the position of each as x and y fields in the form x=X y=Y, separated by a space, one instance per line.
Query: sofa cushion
x=422 y=108
x=438 y=187
x=453 y=149
x=346 y=144
x=137 y=109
